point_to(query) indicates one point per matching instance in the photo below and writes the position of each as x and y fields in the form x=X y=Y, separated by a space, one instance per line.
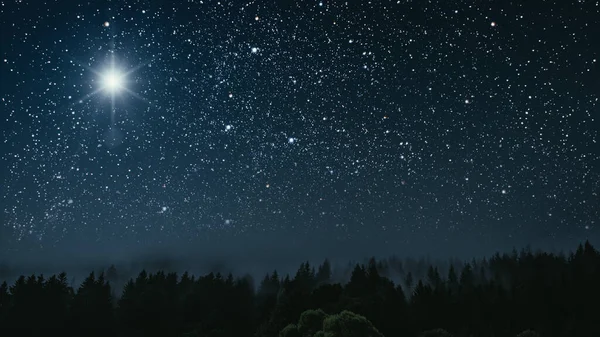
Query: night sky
x=363 y=125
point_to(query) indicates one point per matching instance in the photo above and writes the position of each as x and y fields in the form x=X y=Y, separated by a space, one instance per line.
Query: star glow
x=112 y=81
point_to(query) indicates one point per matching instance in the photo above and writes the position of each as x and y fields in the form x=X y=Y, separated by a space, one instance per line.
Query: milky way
x=407 y=120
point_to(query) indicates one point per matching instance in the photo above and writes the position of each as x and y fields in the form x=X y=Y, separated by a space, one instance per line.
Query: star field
x=408 y=120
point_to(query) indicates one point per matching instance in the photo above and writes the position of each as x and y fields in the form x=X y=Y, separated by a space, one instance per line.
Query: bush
x=310 y=322
x=528 y=333
x=349 y=324
x=291 y=330
x=436 y=333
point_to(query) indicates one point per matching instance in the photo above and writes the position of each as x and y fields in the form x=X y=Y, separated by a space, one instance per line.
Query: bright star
x=112 y=81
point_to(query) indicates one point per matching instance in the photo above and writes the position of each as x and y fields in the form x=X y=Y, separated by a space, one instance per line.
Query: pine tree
x=92 y=308
x=324 y=273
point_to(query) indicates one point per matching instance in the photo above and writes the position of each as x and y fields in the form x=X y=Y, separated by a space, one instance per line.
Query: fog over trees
x=521 y=293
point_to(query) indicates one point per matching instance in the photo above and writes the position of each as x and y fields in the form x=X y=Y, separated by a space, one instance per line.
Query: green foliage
x=318 y=323
x=349 y=324
x=217 y=333
x=311 y=321
x=291 y=330
x=436 y=333
x=323 y=334
x=528 y=333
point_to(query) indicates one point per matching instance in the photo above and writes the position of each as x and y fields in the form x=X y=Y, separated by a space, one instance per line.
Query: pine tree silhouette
x=554 y=295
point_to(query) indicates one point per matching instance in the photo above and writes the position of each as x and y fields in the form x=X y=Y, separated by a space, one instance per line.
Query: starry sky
x=364 y=123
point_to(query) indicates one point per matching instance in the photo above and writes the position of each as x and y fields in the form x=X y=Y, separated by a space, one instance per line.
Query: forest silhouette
x=522 y=293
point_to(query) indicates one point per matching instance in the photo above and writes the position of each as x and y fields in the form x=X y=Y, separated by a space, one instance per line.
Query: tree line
x=512 y=294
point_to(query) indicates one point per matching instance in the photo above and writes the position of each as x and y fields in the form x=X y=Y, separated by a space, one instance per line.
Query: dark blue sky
x=443 y=126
